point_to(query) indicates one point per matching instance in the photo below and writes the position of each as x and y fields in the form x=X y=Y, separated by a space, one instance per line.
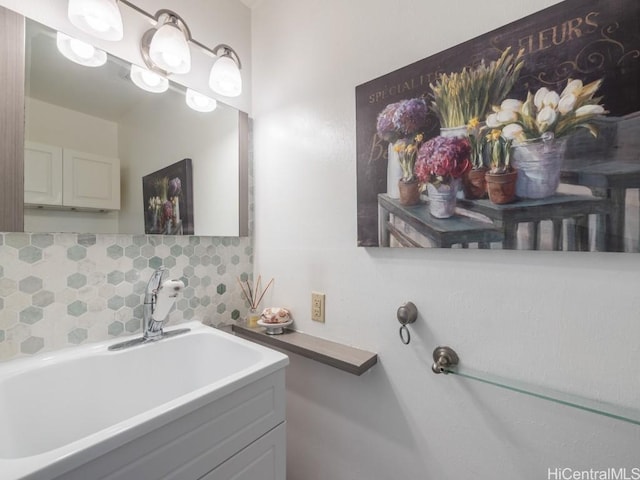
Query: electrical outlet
x=317 y=307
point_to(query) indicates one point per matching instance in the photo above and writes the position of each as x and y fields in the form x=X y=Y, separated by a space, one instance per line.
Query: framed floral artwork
x=168 y=200
x=527 y=137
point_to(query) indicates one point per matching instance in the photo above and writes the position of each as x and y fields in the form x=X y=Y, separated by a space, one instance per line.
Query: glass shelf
x=618 y=412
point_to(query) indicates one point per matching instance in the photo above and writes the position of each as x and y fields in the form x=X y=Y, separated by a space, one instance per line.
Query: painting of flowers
x=168 y=200
x=526 y=137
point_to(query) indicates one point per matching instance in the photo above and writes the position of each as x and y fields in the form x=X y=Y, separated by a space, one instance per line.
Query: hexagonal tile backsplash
x=60 y=290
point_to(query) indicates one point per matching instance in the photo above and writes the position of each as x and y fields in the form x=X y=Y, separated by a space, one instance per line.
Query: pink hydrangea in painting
x=441 y=159
x=167 y=210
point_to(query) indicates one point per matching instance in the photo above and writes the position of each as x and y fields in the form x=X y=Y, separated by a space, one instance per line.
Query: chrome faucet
x=159 y=297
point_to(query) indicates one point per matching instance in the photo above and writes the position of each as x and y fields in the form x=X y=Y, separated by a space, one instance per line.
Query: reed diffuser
x=254 y=296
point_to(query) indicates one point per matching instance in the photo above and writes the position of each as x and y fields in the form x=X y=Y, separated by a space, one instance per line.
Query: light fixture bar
x=232 y=69
x=137 y=9
x=203 y=47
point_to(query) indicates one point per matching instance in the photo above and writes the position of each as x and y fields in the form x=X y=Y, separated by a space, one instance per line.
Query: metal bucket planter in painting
x=442 y=199
x=538 y=163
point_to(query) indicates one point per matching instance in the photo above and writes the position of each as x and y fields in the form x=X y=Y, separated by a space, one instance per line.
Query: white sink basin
x=90 y=400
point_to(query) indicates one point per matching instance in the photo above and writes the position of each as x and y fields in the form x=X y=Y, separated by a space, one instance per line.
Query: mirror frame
x=12 y=77
x=12 y=132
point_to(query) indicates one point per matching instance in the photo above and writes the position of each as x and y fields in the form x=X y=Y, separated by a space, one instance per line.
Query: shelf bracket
x=443 y=359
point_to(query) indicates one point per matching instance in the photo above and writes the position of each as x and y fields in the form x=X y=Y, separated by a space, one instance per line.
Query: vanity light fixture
x=225 y=77
x=165 y=48
x=148 y=80
x=80 y=52
x=200 y=102
x=100 y=18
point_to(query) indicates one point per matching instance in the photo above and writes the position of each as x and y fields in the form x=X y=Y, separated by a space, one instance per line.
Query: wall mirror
x=99 y=111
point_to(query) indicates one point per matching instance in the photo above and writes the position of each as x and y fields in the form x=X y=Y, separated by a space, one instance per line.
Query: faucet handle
x=164 y=299
x=155 y=281
x=172 y=287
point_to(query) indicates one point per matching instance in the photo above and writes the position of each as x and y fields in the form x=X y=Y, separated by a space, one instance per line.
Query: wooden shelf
x=343 y=357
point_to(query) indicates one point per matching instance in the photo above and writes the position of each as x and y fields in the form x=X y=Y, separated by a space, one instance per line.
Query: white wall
x=54 y=125
x=568 y=321
x=150 y=139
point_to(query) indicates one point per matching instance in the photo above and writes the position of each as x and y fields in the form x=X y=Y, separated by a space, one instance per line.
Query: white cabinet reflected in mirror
x=98 y=113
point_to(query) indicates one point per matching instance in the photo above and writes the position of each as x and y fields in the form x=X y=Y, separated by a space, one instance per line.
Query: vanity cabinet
x=57 y=177
x=264 y=459
x=238 y=436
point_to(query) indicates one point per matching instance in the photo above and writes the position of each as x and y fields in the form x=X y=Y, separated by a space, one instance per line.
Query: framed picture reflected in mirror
x=168 y=200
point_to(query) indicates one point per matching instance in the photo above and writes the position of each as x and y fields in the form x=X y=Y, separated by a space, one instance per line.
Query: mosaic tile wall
x=59 y=290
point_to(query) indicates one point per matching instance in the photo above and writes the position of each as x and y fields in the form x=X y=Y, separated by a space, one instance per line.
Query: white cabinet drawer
x=264 y=459
x=189 y=447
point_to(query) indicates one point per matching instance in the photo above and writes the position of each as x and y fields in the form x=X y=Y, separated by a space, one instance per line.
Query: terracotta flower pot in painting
x=474 y=184
x=409 y=192
x=502 y=187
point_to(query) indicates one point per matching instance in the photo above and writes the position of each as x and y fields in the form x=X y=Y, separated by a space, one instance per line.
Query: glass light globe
x=82 y=49
x=169 y=49
x=200 y=102
x=80 y=52
x=225 y=77
x=151 y=79
x=100 y=18
x=148 y=80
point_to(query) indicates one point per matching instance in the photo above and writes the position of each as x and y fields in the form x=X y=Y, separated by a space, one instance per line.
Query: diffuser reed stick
x=253 y=295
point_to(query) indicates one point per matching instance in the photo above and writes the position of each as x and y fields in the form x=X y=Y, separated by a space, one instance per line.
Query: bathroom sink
x=58 y=411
